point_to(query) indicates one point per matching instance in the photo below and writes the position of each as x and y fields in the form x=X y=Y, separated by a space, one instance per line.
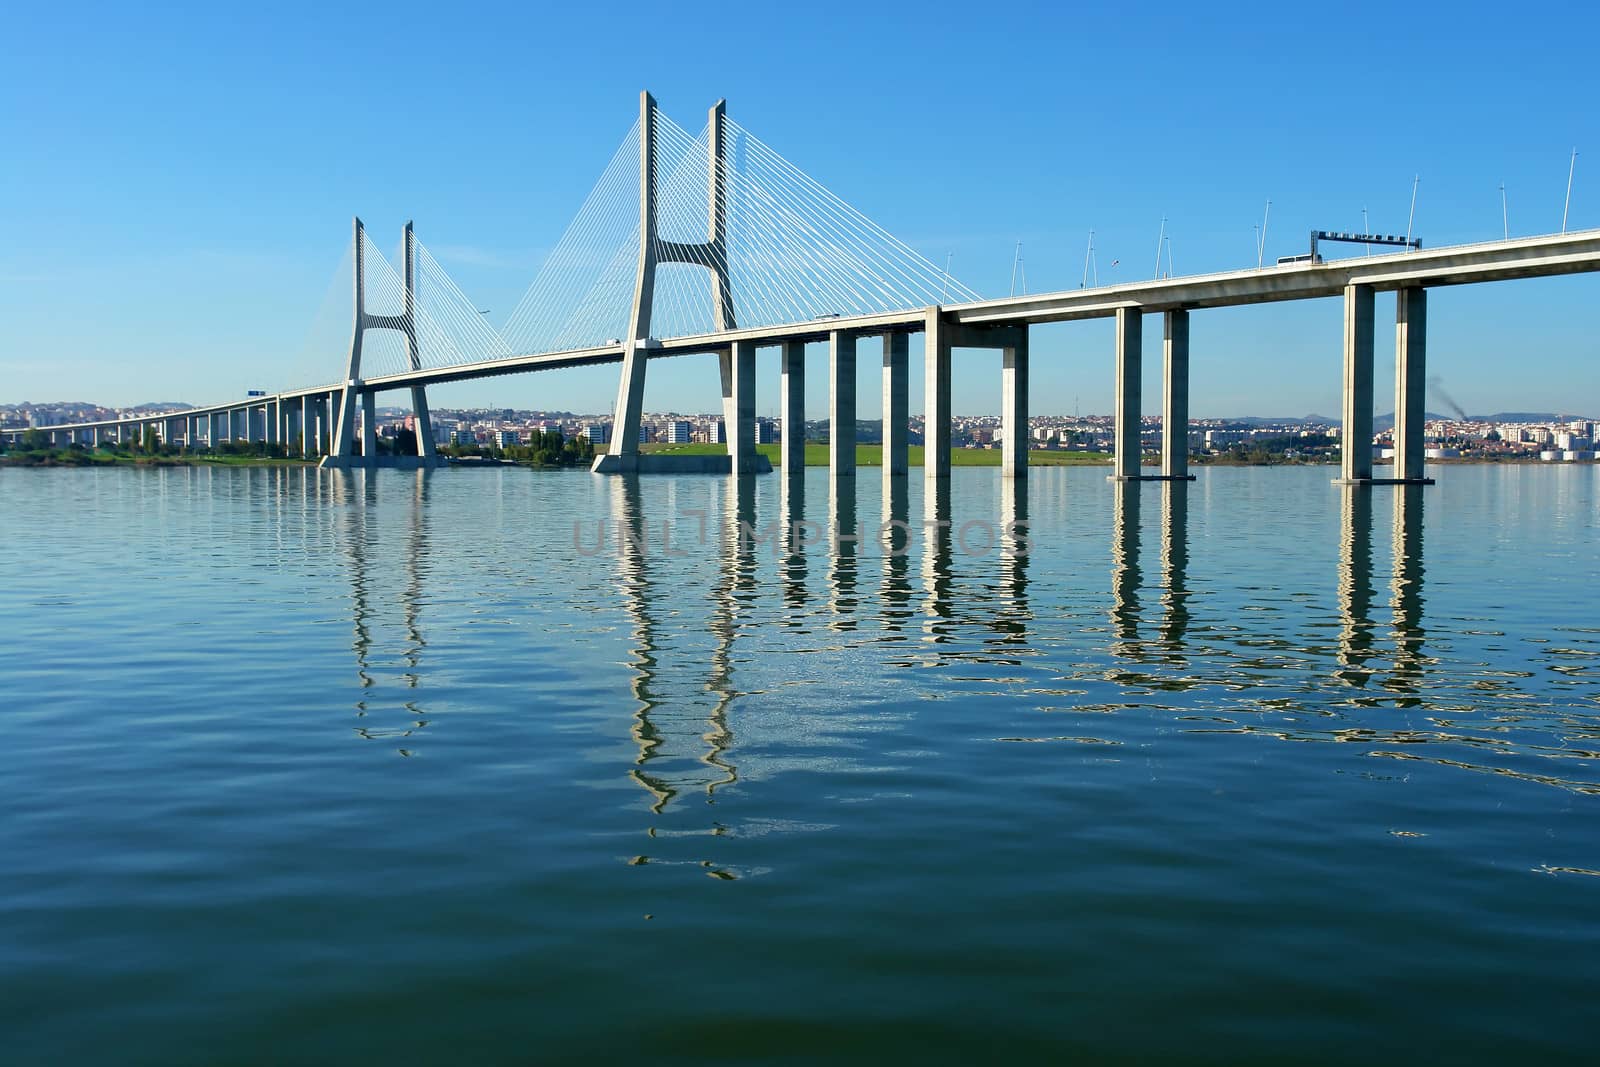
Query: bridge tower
x=622 y=455
x=353 y=391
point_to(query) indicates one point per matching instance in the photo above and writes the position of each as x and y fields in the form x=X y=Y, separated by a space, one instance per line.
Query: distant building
x=1216 y=439
x=508 y=438
x=463 y=437
x=766 y=432
x=597 y=434
x=680 y=432
x=719 y=433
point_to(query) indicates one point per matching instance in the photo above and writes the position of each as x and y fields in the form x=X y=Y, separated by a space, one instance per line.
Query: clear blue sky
x=176 y=182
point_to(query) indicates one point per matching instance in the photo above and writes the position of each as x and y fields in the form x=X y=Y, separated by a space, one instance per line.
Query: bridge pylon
x=622 y=454
x=353 y=392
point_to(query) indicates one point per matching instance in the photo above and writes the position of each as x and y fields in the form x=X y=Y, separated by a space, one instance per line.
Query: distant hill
x=161 y=405
x=1257 y=420
x=1527 y=416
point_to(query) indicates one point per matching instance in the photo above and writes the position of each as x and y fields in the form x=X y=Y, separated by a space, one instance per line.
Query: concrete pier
x=1014 y=407
x=896 y=404
x=1355 y=436
x=422 y=420
x=792 y=386
x=622 y=454
x=1410 y=382
x=308 y=428
x=936 y=397
x=725 y=377
x=1175 y=396
x=369 y=428
x=742 y=389
x=842 y=403
x=1130 y=341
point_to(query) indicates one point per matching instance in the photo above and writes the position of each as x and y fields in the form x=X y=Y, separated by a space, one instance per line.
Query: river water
x=508 y=766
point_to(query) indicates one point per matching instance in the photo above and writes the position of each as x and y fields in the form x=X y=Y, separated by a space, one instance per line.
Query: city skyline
x=207 y=250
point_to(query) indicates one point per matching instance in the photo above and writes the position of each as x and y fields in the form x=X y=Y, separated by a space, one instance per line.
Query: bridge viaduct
x=322 y=421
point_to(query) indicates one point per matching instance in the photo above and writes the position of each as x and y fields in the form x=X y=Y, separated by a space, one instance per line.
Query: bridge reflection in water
x=683 y=736
x=351 y=498
x=932 y=591
x=1357 y=590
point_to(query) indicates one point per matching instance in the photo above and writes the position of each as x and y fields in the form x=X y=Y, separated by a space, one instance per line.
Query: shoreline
x=816 y=456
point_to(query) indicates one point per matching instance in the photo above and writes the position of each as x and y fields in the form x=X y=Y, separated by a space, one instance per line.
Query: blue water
x=302 y=766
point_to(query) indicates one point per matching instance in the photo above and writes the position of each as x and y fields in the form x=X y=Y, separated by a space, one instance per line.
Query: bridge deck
x=1527 y=257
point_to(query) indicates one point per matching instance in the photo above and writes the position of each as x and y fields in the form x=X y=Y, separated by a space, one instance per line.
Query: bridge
x=714 y=244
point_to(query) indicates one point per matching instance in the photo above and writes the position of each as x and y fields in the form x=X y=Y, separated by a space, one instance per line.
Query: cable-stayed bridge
x=713 y=243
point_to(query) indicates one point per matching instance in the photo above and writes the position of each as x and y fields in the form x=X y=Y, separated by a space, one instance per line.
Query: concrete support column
x=936 y=398
x=1410 y=381
x=1130 y=350
x=1355 y=436
x=630 y=401
x=1175 y=395
x=308 y=428
x=369 y=428
x=1014 y=407
x=742 y=429
x=344 y=404
x=842 y=404
x=422 y=420
x=792 y=386
x=725 y=374
x=896 y=403
x=269 y=420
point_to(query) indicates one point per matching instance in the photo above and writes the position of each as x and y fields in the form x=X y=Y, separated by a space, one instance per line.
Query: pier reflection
x=1125 y=573
x=899 y=542
x=1175 y=568
x=844 y=551
x=1013 y=545
x=1355 y=585
x=792 y=510
x=354 y=496
x=1155 y=654
x=937 y=551
x=1358 y=629
x=682 y=742
x=1406 y=588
